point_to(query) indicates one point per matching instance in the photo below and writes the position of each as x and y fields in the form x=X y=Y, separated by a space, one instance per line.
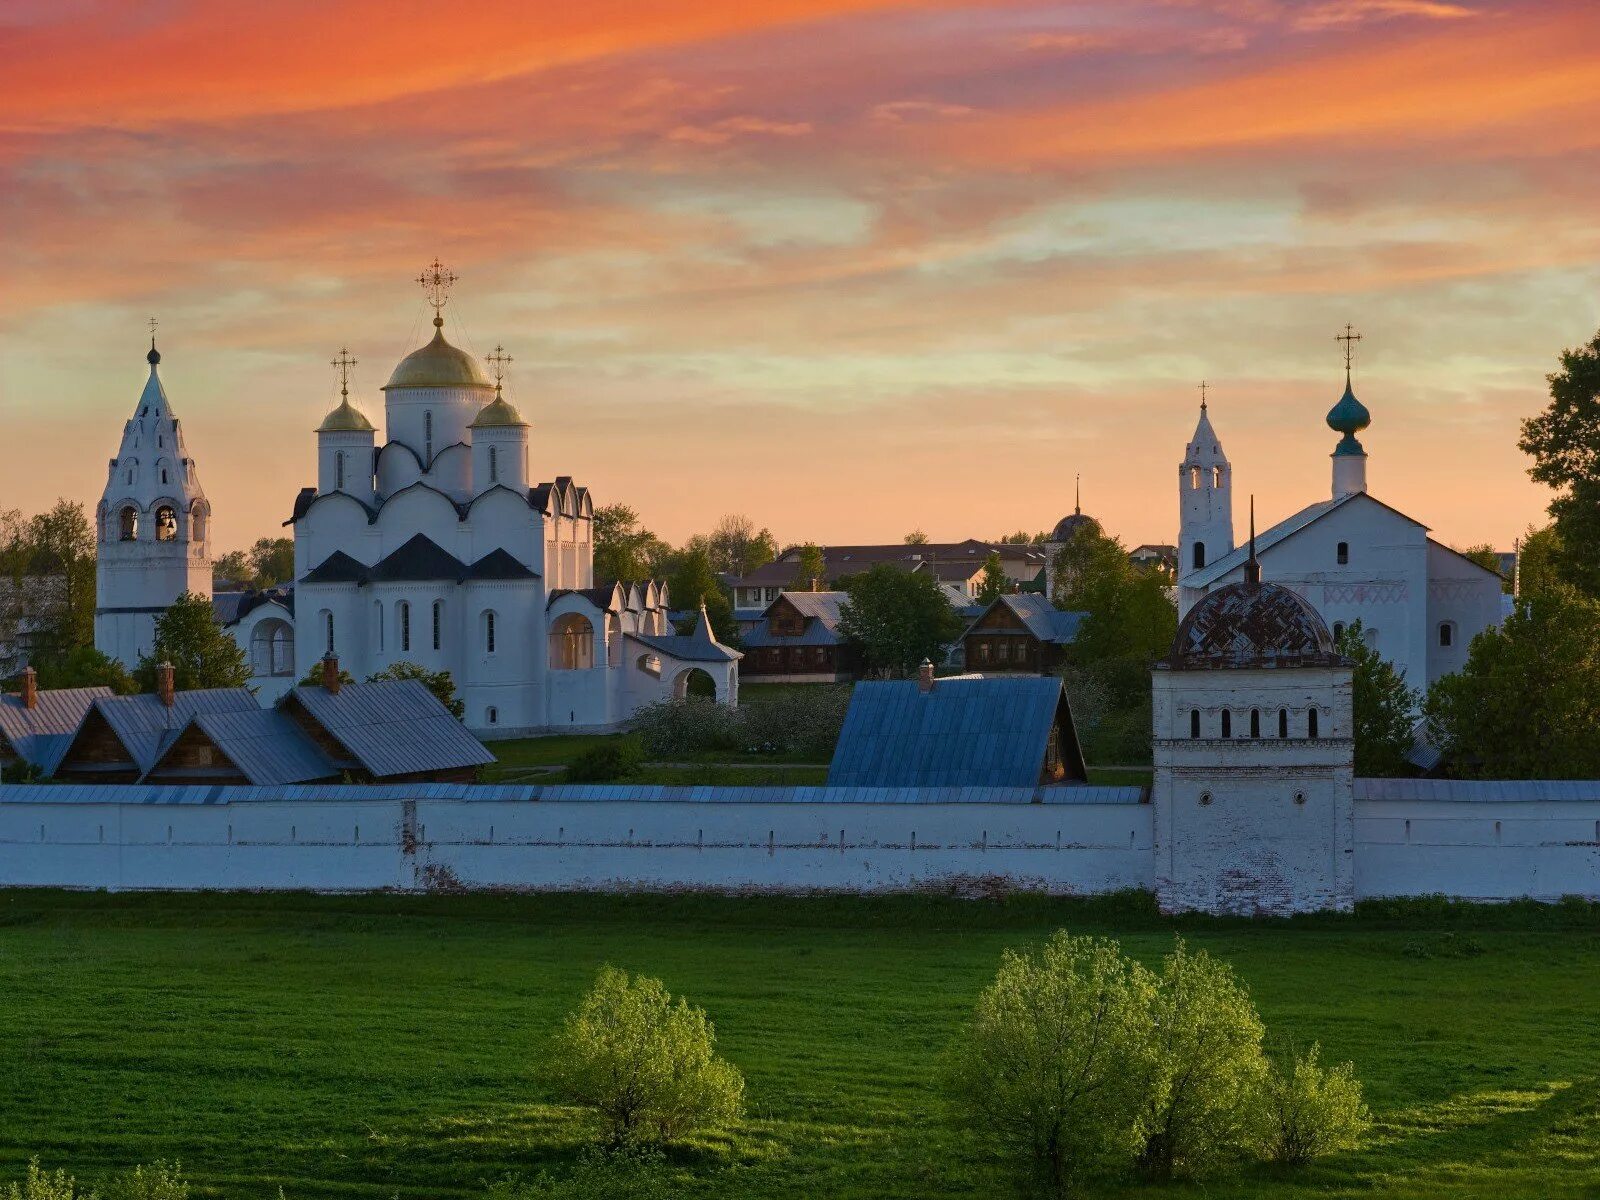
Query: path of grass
x=390 y=1046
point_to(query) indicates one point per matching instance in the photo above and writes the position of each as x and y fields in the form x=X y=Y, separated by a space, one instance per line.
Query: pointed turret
x=1349 y=417
x=1205 y=497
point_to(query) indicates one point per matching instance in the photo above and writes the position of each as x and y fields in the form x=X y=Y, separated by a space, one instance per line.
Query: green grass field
x=386 y=1046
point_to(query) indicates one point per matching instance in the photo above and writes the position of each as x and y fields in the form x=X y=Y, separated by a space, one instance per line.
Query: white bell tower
x=153 y=527
x=1205 y=498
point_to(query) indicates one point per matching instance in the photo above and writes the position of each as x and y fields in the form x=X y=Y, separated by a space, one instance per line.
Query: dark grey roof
x=972 y=732
x=225 y=606
x=499 y=564
x=265 y=745
x=338 y=567
x=821 y=610
x=146 y=727
x=41 y=735
x=1252 y=625
x=420 y=559
x=1067 y=528
x=1041 y=618
x=1478 y=791
x=606 y=598
x=393 y=727
x=686 y=647
x=231 y=607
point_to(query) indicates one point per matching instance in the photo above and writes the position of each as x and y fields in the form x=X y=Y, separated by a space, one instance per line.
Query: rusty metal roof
x=1252 y=625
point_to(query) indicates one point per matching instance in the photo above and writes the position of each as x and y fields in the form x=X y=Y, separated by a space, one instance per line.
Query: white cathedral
x=1353 y=557
x=431 y=548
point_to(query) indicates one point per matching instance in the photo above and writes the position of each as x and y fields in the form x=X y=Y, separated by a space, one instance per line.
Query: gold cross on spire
x=436 y=280
x=342 y=364
x=498 y=361
x=1349 y=337
x=1202 y=395
x=153 y=324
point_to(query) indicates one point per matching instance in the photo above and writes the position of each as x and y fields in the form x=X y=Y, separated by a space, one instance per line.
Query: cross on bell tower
x=1349 y=337
x=498 y=361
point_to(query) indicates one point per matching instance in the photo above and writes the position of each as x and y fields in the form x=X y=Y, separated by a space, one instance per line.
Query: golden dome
x=345 y=419
x=497 y=412
x=438 y=364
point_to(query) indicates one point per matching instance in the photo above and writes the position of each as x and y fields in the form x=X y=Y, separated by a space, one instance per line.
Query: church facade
x=1353 y=557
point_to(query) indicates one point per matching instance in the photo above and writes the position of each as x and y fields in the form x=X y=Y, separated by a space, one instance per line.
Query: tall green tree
x=232 y=568
x=1564 y=442
x=1129 y=613
x=737 y=547
x=1384 y=708
x=200 y=651
x=898 y=618
x=994 y=583
x=1540 y=561
x=61 y=545
x=811 y=567
x=1527 y=703
x=624 y=550
x=272 y=562
x=439 y=683
x=691 y=581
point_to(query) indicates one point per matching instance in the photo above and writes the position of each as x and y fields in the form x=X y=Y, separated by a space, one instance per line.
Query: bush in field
x=45 y=1185
x=803 y=721
x=646 y=1065
x=1310 y=1110
x=615 y=758
x=1048 y=1066
x=1205 y=1068
x=158 y=1181
x=672 y=729
x=627 y=1173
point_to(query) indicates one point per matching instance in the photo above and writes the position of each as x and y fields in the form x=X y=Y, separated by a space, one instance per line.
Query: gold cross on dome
x=498 y=361
x=436 y=280
x=1349 y=337
x=342 y=364
x=1202 y=395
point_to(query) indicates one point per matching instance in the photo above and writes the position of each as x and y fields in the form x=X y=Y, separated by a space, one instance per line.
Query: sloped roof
x=265 y=745
x=338 y=567
x=420 y=559
x=393 y=727
x=1043 y=620
x=974 y=732
x=146 y=727
x=1252 y=625
x=821 y=611
x=499 y=564
x=41 y=735
x=686 y=647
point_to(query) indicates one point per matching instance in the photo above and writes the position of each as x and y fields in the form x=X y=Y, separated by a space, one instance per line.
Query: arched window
x=1227 y=723
x=1199 y=555
x=1194 y=722
x=338 y=469
x=427 y=437
x=438 y=621
x=130 y=474
x=1343 y=553
x=1447 y=633
x=1338 y=630
x=272 y=648
x=1255 y=722
x=197 y=523
x=166 y=523
x=130 y=523
x=163 y=474
x=1216 y=477
x=1194 y=478
x=491 y=715
x=488 y=631
x=494 y=464
x=571 y=643
x=1283 y=722
x=1311 y=722
x=403 y=614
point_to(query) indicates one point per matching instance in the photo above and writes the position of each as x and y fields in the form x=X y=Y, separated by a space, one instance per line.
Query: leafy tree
x=1205 y=1067
x=648 y=1066
x=1527 y=703
x=61 y=544
x=313 y=677
x=84 y=666
x=898 y=618
x=1050 y=1063
x=691 y=581
x=271 y=562
x=1129 y=613
x=1540 y=561
x=737 y=547
x=232 y=567
x=1384 y=708
x=200 y=651
x=812 y=565
x=1310 y=1110
x=1487 y=557
x=995 y=584
x=916 y=538
x=623 y=548
x=1023 y=538
x=1564 y=442
x=438 y=682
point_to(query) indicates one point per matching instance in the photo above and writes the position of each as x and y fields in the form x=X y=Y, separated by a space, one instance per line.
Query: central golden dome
x=438 y=364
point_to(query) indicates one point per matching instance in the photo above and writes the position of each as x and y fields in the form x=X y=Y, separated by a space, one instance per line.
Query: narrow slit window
x=1227 y=723
x=1255 y=722
x=1194 y=722
x=1311 y=723
x=1283 y=722
x=438 y=621
x=1344 y=553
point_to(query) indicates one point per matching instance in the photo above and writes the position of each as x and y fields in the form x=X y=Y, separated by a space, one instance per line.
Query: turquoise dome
x=1348 y=417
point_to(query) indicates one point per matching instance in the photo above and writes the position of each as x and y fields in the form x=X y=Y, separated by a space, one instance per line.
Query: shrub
x=1048 y=1064
x=614 y=758
x=45 y=1185
x=673 y=729
x=1311 y=1110
x=646 y=1065
x=804 y=720
x=627 y=1173
x=158 y=1181
x=1205 y=1067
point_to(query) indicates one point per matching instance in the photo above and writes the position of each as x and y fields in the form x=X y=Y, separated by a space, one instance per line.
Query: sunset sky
x=850 y=267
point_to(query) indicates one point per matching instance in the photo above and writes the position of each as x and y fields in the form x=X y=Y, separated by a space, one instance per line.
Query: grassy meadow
x=389 y=1046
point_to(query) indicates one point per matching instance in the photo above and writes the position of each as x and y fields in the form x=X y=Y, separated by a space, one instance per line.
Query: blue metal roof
x=982 y=732
x=146 y=727
x=393 y=727
x=267 y=746
x=1475 y=791
x=40 y=735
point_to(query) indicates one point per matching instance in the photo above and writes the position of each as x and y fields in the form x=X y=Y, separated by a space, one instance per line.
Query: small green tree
x=1487 y=557
x=1205 y=1067
x=691 y=582
x=45 y=1185
x=898 y=618
x=623 y=548
x=737 y=547
x=994 y=584
x=60 y=544
x=439 y=683
x=271 y=562
x=1384 y=709
x=1048 y=1066
x=916 y=538
x=201 y=652
x=84 y=666
x=1564 y=442
x=157 y=1181
x=232 y=568
x=1310 y=1110
x=648 y=1066
x=811 y=568
x=1541 y=561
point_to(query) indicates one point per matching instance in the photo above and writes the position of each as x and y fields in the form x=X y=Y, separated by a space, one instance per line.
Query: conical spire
x=1252 y=566
x=1205 y=448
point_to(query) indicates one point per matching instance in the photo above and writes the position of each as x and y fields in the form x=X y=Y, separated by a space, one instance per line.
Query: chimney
x=330 y=673
x=30 y=688
x=816 y=584
x=925 y=677
x=164 y=687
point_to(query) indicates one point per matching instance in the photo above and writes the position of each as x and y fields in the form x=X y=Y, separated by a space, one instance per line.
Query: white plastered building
x=1351 y=556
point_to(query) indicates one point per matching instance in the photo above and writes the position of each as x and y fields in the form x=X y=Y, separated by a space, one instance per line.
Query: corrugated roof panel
x=267 y=746
x=40 y=735
x=145 y=726
x=1475 y=791
x=394 y=727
